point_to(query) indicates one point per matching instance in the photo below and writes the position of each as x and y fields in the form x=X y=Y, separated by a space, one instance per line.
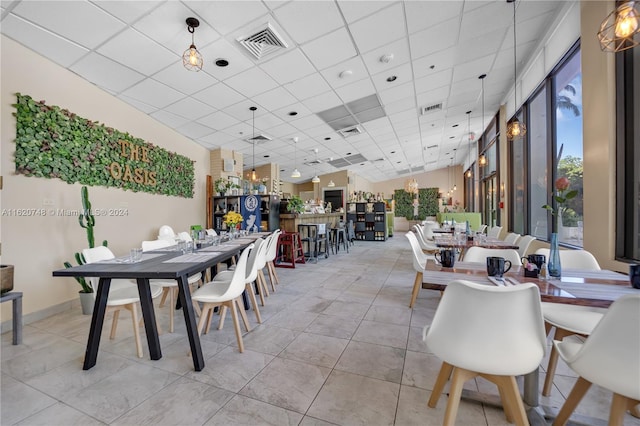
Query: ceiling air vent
x=258 y=139
x=350 y=131
x=263 y=43
x=431 y=108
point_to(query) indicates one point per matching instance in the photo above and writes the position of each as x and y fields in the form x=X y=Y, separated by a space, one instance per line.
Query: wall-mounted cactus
x=86 y=221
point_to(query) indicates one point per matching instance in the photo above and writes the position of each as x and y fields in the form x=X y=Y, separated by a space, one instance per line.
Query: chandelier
x=411 y=186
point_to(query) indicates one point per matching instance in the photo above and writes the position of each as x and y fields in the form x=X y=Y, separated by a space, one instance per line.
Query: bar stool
x=289 y=250
x=339 y=235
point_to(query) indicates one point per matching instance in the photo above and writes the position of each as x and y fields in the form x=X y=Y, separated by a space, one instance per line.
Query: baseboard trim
x=36 y=316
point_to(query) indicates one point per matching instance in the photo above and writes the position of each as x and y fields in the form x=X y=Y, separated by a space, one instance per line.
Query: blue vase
x=553 y=264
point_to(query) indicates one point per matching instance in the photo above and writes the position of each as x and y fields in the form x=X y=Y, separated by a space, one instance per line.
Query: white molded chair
x=425 y=245
x=511 y=238
x=524 y=243
x=226 y=294
x=166 y=233
x=169 y=287
x=261 y=262
x=419 y=264
x=427 y=230
x=481 y=343
x=184 y=236
x=568 y=319
x=123 y=294
x=480 y=254
x=211 y=232
x=494 y=232
x=481 y=229
x=271 y=254
x=251 y=276
x=610 y=358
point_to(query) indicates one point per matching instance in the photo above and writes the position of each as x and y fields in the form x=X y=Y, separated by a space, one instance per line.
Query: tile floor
x=338 y=345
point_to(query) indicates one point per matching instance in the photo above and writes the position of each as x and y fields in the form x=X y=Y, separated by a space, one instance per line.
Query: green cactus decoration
x=86 y=221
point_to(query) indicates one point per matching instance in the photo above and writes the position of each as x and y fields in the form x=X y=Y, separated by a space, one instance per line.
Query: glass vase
x=553 y=263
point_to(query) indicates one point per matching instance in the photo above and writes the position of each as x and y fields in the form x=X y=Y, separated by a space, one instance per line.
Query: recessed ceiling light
x=392 y=78
x=282 y=170
x=362 y=164
x=266 y=156
x=393 y=152
x=398 y=162
x=348 y=153
x=293 y=113
x=327 y=138
x=221 y=62
x=432 y=67
x=452 y=137
x=455 y=125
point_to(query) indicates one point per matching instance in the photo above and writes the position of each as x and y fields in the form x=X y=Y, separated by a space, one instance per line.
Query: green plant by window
x=295 y=204
x=52 y=142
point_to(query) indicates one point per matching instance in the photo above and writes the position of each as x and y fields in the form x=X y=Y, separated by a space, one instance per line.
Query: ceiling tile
x=194 y=130
x=330 y=49
x=149 y=57
x=434 y=39
x=219 y=95
x=425 y=14
x=439 y=61
x=283 y=130
x=433 y=97
x=189 y=108
x=185 y=81
x=275 y=99
x=222 y=49
x=434 y=80
x=251 y=82
x=241 y=110
x=153 y=93
x=402 y=74
x=218 y=138
x=169 y=119
x=90 y=27
x=142 y=106
x=479 y=47
x=283 y=113
x=218 y=120
x=267 y=121
x=308 y=122
x=127 y=11
x=56 y=48
x=226 y=16
x=288 y=67
x=356 y=90
x=355 y=65
x=308 y=87
x=401 y=105
x=321 y=102
x=380 y=28
x=306 y=21
x=394 y=94
x=472 y=68
x=355 y=10
x=106 y=73
x=399 y=49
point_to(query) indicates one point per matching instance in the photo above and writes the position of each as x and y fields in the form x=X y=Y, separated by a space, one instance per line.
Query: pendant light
x=618 y=30
x=469 y=130
x=515 y=129
x=316 y=179
x=482 y=160
x=295 y=173
x=254 y=176
x=191 y=58
x=331 y=184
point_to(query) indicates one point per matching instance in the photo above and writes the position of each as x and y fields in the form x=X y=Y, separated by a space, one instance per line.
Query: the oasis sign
x=54 y=143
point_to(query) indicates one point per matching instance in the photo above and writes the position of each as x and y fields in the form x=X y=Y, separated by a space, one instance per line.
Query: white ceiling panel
x=397 y=93
x=127 y=11
x=357 y=90
x=219 y=95
x=194 y=130
x=142 y=106
x=308 y=87
x=218 y=138
x=402 y=74
x=167 y=117
x=494 y=16
x=401 y=106
x=58 y=49
x=222 y=49
x=379 y=29
x=251 y=82
x=284 y=113
x=435 y=38
x=275 y=99
x=479 y=47
x=472 y=68
x=149 y=58
x=356 y=10
x=189 y=108
x=306 y=21
x=321 y=102
x=90 y=27
x=288 y=67
x=331 y=49
x=153 y=93
x=189 y=83
x=434 y=80
x=105 y=73
x=283 y=130
x=435 y=62
x=425 y=14
x=355 y=66
x=399 y=50
x=226 y=16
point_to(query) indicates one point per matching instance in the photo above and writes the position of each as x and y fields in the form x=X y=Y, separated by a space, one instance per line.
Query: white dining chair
x=480 y=254
x=272 y=252
x=166 y=233
x=481 y=343
x=610 y=358
x=226 y=294
x=511 y=238
x=494 y=232
x=419 y=260
x=123 y=294
x=169 y=287
x=211 y=232
x=425 y=245
x=568 y=319
x=523 y=243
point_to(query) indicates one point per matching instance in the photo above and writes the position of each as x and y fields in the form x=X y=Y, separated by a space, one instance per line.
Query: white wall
x=39 y=245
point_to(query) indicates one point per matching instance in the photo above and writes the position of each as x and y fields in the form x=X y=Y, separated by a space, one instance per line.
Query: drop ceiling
x=406 y=55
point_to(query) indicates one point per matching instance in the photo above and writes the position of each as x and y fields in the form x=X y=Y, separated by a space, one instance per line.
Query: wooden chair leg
x=236 y=325
x=172 y=305
x=460 y=376
x=560 y=334
x=441 y=380
x=513 y=405
x=505 y=402
x=254 y=302
x=165 y=292
x=619 y=406
x=273 y=287
x=272 y=267
x=243 y=314
x=417 y=283
x=114 y=323
x=223 y=314
x=136 y=331
x=260 y=291
x=635 y=409
x=579 y=389
x=206 y=309
x=263 y=282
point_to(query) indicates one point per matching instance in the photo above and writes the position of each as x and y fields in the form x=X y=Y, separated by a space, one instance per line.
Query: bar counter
x=290 y=222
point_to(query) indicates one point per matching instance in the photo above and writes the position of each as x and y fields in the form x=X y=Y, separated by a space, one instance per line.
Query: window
x=518 y=189
x=628 y=155
x=537 y=129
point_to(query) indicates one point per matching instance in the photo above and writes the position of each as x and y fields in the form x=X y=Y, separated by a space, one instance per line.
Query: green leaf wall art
x=54 y=143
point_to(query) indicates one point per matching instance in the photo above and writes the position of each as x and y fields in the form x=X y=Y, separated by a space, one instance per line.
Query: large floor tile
x=382 y=334
x=315 y=349
x=375 y=361
x=20 y=401
x=60 y=414
x=268 y=339
x=243 y=411
x=350 y=399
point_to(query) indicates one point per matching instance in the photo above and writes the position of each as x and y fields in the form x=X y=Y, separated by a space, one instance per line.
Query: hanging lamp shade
x=191 y=58
x=331 y=184
x=620 y=27
x=295 y=173
x=315 y=179
x=482 y=160
x=515 y=129
x=254 y=175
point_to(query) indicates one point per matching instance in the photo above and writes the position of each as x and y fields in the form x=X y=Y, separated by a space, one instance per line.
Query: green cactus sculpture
x=86 y=221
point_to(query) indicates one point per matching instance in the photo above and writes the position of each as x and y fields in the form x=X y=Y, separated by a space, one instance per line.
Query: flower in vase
x=232 y=219
x=561 y=195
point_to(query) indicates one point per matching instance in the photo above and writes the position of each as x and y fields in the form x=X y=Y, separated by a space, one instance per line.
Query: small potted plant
x=220 y=186
x=295 y=205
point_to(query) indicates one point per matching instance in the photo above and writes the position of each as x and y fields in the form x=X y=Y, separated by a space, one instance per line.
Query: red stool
x=289 y=250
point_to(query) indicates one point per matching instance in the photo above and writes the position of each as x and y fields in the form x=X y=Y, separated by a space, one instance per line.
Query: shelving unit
x=369 y=219
x=269 y=210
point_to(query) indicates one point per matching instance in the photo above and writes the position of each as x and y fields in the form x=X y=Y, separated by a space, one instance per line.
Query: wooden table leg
x=184 y=294
x=97 y=320
x=150 y=326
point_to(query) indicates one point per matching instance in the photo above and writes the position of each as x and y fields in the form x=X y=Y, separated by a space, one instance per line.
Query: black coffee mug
x=446 y=257
x=496 y=266
x=634 y=275
x=537 y=259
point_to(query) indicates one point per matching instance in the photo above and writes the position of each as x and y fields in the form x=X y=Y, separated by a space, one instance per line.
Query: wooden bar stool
x=289 y=250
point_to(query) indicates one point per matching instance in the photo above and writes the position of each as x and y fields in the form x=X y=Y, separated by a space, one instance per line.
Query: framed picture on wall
x=235 y=180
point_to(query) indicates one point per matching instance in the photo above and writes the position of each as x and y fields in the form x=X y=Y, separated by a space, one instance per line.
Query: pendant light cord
x=515 y=64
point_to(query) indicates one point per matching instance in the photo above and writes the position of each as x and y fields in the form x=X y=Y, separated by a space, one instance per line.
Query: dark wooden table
x=575 y=287
x=153 y=266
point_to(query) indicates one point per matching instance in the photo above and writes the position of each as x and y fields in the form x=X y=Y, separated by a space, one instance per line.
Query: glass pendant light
x=469 y=130
x=482 y=160
x=191 y=58
x=618 y=30
x=515 y=129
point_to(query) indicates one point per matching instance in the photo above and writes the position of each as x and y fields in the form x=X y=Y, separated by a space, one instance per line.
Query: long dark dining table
x=160 y=264
x=490 y=243
x=575 y=287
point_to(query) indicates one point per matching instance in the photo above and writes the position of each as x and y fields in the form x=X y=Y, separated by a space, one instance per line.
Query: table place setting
x=191 y=257
x=128 y=259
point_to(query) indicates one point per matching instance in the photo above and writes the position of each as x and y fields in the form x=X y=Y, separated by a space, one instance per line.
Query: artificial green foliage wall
x=427 y=203
x=54 y=143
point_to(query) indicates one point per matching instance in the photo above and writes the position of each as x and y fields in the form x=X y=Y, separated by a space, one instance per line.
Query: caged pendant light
x=482 y=160
x=469 y=130
x=515 y=129
x=191 y=58
x=618 y=30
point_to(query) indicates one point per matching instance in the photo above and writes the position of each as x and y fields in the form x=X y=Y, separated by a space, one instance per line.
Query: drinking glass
x=135 y=255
